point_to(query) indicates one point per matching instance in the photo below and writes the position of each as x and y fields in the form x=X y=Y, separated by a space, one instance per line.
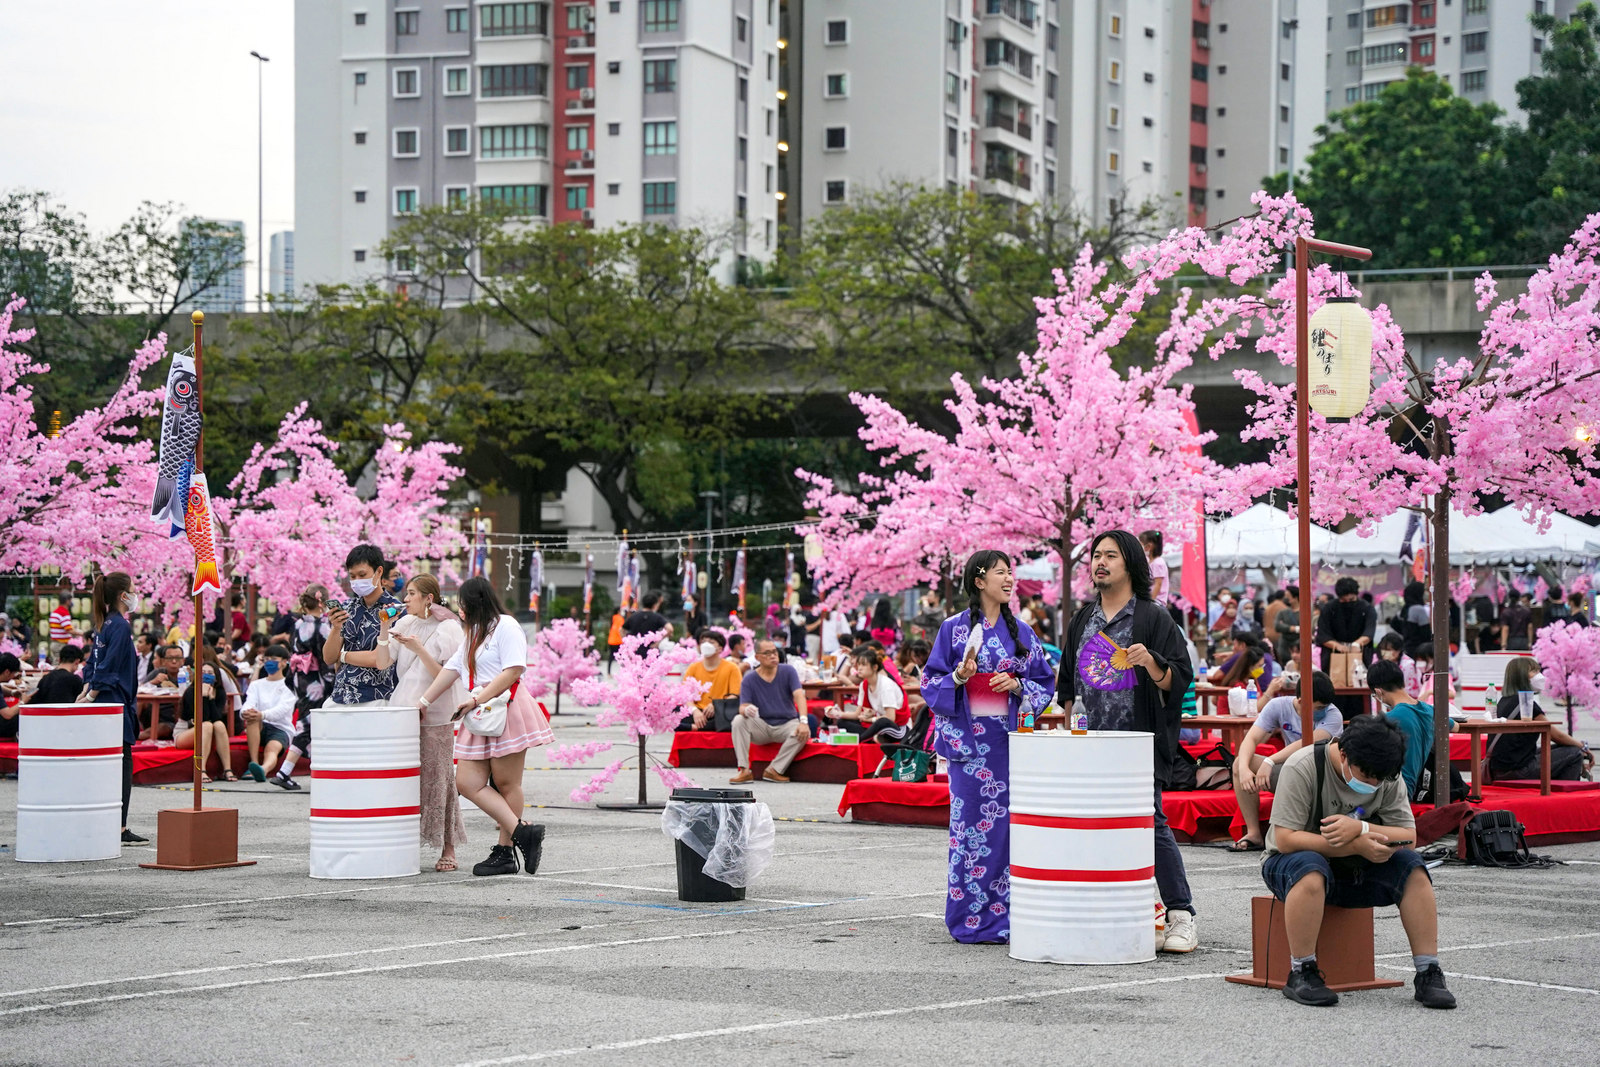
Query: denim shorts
x=1369 y=885
x=270 y=733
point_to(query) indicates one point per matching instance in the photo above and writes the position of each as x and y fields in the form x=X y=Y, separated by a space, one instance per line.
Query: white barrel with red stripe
x=1082 y=847
x=366 y=813
x=69 y=782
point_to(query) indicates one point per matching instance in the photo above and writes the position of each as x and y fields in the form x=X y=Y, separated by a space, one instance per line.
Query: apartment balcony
x=1019 y=178
x=1022 y=12
x=582 y=104
x=581 y=44
x=580 y=165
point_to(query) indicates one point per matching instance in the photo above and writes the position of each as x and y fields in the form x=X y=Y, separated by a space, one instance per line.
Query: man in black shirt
x=62 y=685
x=647 y=620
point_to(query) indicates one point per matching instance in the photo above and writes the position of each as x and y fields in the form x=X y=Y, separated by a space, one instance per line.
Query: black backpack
x=1213 y=770
x=1495 y=839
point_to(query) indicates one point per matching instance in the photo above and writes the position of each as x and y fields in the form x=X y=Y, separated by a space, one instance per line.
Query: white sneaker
x=1181 y=936
x=1161 y=925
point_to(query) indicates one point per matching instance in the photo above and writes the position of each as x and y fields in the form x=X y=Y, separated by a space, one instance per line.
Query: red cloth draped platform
x=879 y=800
x=160 y=764
x=815 y=763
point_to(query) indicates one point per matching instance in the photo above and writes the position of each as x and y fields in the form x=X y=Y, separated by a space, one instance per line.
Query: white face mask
x=708 y=649
x=362 y=586
x=1537 y=681
x=130 y=604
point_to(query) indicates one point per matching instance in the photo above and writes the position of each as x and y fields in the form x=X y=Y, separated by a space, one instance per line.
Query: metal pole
x=261 y=235
x=709 y=496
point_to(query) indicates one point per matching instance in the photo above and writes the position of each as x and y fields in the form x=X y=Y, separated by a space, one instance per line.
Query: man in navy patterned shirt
x=354 y=639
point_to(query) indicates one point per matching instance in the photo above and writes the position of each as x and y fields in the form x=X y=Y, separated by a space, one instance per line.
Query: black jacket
x=1154 y=711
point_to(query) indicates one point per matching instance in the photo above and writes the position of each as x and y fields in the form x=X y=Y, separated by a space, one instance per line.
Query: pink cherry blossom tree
x=562 y=654
x=1569 y=656
x=648 y=694
x=64 y=500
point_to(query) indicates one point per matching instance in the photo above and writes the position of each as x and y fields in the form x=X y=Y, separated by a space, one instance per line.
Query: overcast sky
x=110 y=102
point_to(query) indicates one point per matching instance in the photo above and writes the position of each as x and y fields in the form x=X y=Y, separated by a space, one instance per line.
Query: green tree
x=618 y=349
x=908 y=284
x=1418 y=175
x=1557 y=155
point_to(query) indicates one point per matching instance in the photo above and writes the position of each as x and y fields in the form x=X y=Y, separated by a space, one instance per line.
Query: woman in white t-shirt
x=878 y=699
x=427 y=636
x=491 y=658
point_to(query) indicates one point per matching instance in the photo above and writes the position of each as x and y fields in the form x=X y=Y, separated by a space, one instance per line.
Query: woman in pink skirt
x=489 y=769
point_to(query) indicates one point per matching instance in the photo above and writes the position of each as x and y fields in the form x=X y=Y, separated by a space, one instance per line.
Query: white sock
x=288 y=763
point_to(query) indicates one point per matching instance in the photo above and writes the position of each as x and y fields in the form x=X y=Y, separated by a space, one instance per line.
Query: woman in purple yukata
x=970 y=726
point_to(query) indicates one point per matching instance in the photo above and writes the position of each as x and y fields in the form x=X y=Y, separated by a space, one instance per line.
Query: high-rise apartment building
x=280 y=268
x=1481 y=47
x=216 y=248
x=602 y=113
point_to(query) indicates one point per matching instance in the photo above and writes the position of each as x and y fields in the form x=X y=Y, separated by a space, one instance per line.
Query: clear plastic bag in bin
x=737 y=840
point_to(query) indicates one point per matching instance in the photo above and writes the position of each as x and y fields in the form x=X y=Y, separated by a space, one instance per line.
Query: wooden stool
x=1344 y=948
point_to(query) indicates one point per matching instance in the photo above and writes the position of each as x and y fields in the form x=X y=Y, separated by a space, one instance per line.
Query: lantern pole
x=1303 y=247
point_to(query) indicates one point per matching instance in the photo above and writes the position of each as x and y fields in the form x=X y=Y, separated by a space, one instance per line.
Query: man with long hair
x=1123 y=610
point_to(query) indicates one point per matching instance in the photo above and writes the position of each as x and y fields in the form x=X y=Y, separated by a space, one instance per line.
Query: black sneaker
x=1431 y=992
x=131 y=838
x=501 y=861
x=529 y=839
x=284 y=783
x=1305 y=986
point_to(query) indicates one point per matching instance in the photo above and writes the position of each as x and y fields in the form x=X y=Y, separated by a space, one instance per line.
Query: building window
x=1049 y=181
x=952 y=89
x=1113 y=162
x=1049 y=134
x=361 y=255
x=952 y=140
x=613 y=129
x=1149 y=122
x=772 y=67
x=1199 y=72
x=999 y=52
x=771 y=115
x=1283 y=112
x=1050 y=86
x=660 y=16
x=514 y=79
x=513 y=20
x=361 y=77
x=577 y=197
x=511 y=142
x=837 y=31
x=1425 y=12
x=835 y=138
x=613 y=188
x=1116 y=25
x=519 y=199
x=660 y=198
x=361 y=196
x=407 y=81
x=1352 y=57
x=456 y=20
x=1392 y=15
x=457 y=140
x=835 y=85
x=661 y=75
x=835 y=191
x=661 y=138
x=953 y=32
x=1473 y=43
x=1197 y=154
x=1114 y=118
x=1283 y=157
x=405 y=23
x=742 y=28
x=744 y=90
x=1114 y=73
x=577 y=138
x=1379 y=54
x=1283 y=72
x=405 y=201
x=580 y=17
x=741 y=207
x=1352 y=21
x=457 y=81
x=578 y=77
x=1473 y=81
x=1148 y=167
x=1476 y=7
x=772 y=177
x=1352 y=94
x=361 y=18
x=361 y=137
x=1197 y=113
x=1197 y=196
x=405 y=142
x=1051 y=37
x=456 y=197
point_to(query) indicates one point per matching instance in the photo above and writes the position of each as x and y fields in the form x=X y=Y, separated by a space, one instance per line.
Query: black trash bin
x=693 y=884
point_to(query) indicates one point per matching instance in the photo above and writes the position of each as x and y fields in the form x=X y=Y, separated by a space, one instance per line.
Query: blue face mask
x=270 y=667
x=208 y=678
x=1358 y=786
x=1318 y=714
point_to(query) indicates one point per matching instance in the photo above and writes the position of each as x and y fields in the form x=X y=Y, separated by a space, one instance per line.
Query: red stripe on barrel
x=385 y=772
x=1064 y=822
x=53 y=712
x=1046 y=874
x=369 y=813
x=65 y=752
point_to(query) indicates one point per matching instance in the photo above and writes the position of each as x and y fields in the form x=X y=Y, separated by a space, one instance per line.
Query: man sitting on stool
x=772 y=708
x=1347 y=844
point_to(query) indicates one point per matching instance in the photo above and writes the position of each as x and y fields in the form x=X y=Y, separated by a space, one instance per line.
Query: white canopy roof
x=1490 y=539
x=1262 y=536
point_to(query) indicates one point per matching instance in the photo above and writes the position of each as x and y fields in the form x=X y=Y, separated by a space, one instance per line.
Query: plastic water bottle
x=183 y=677
x=1251 y=695
x=1080 y=717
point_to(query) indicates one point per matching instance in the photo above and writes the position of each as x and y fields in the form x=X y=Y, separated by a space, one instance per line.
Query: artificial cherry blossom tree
x=648 y=694
x=1569 y=657
x=561 y=655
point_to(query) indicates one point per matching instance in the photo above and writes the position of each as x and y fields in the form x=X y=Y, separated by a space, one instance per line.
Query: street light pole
x=261 y=236
x=709 y=496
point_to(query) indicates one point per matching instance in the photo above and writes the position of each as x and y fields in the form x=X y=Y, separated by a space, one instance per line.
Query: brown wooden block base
x=1344 y=948
x=190 y=840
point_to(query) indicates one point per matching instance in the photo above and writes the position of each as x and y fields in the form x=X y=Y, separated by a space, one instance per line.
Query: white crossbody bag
x=489 y=719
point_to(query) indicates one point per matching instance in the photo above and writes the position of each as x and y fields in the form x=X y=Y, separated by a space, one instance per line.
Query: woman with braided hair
x=984 y=669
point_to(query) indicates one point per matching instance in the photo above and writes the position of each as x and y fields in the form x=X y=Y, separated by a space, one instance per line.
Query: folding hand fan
x=1104 y=664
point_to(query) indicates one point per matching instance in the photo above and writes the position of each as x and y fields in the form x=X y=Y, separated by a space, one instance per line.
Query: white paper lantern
x=1340 y=352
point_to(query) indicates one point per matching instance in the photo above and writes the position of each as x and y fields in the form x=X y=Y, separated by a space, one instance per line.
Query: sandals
x=445 y=864
x=232 y=777
x=1244 y=844
x=205 y=779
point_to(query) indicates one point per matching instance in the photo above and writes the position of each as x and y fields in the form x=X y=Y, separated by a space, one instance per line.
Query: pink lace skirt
x=526 y=727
